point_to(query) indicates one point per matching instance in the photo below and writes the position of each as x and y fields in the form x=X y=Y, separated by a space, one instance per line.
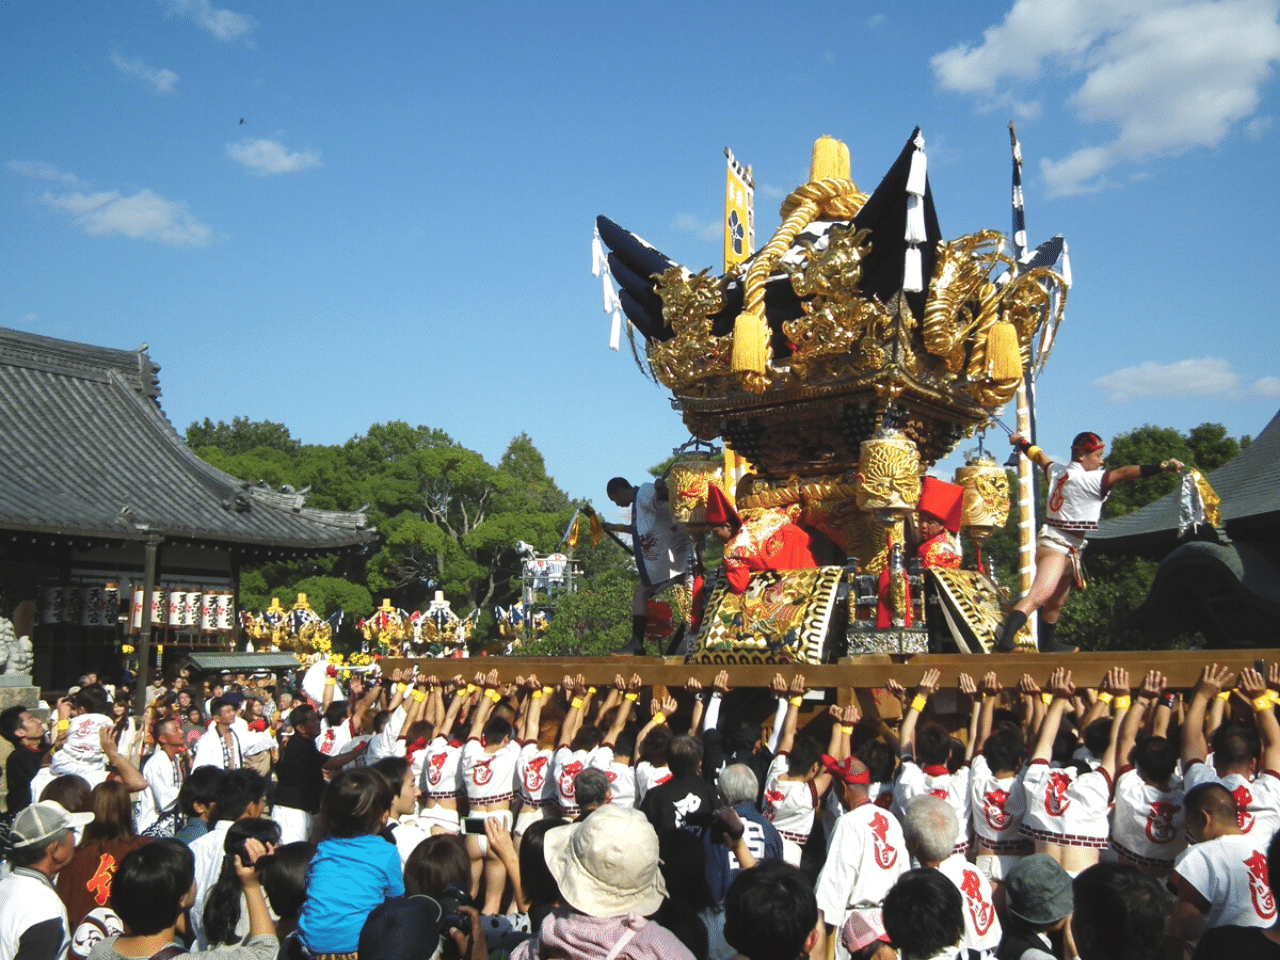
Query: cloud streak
x=695 y=225
x=1183 y=379
x=1168 y=75
x=267 y=158
x=143 y=216
x=39 y=170
x=160 y=80
x=223 y=24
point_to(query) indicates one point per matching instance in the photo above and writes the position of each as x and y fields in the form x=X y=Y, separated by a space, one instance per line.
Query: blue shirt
x=346 y=879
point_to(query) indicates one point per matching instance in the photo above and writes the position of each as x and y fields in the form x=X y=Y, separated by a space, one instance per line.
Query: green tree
x=593 y=621
x=240 y=436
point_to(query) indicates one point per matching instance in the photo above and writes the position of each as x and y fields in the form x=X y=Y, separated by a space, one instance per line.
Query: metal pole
x=144 y=639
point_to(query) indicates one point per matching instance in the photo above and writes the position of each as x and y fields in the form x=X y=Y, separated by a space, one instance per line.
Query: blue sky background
x=401 y=227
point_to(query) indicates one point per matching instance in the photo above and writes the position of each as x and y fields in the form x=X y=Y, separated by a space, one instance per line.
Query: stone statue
x=15 y=652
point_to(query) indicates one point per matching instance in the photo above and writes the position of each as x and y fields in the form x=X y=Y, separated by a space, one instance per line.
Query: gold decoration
x=976 y=606
x=688 y=304
x=687 y=481
x=783 y=617
x=986 y=497
x=888 y=479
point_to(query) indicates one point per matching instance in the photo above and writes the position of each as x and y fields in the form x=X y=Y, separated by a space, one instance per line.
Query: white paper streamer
x=912 y=281
x=615 y=331
x=919 y=163
x=915 y=220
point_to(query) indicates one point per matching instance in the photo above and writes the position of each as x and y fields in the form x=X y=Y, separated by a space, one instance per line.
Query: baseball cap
x=863 y=928
x=42 y=822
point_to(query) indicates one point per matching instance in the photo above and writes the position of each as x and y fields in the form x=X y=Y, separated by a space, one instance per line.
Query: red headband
x=843 y=770
x=1088 y=443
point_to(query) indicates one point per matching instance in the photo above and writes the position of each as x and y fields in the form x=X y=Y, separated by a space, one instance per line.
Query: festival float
x=842 y=360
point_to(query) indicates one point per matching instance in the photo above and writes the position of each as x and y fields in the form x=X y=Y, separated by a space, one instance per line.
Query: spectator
x=38 y=844
x=284 y=879
x=739 y=789
x=770 y=913
x=85 y=882
x=923 y=916
x=402 y=827
x=239 y=796
x=225 y=917
x=1119 y=913
x=196 y=799
x=685 y=800
x=591 y=790
x=158 y=812
x=220 y=745
x=300 y=776
x=24 y=730
x=606 y=867
x=1038 y=902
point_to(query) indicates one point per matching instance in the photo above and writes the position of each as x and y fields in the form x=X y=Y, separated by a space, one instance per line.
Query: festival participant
x=661 y=546
x=26 y=733
x=1076 y=494
x=220 y=745
x=38 y=844
x=931 y=828
x=1246 y=942
x=300 y=775
x=772 y=543
x=798 y=777
x=156 y=813
x=938 y=517
x=1236 y=751
x=997 y=801
x=440 y=768
x=582 y=744
x=1067 y=810
x=1221 y=879
x=81 y=752
x=537 y=791
x=866 y=856
x=1147 y=823
x=488 y=771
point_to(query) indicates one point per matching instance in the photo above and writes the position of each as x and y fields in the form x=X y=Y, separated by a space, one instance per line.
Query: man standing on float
x=1076 y=494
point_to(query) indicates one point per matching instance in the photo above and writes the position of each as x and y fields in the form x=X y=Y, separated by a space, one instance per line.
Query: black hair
x=301 y=715
x=70 y=790
x=11 y=722
x=236 y=790
x=539 y=885
x=933 y=745
x=769 y=912
x=394 y=769
x=149 y=884
x=1004 y=750
x=159 y=725
x=1236 y=744
x=222 y=903
x=923 y=913
x=805 y=752
x=336 y=713
x=617 y=483
x=1097 y=736
x=591 y=787
x=380 y=720
x=1119 y=913
x=1155 y=757
x=201 y=786
x=437 y=863
x=656 y=742
x=356 y=803
x=588 y=737
x=626 y=744
x=1212 y=798
x=1064 y=747
x=217 y=703
x=496 y=729
x=1086 y=439
x=284 y=878
x=684 y=755
x=879 y=759
x=92 y=699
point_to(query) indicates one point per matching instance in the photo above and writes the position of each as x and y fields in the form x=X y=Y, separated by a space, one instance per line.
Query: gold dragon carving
x=689 y=301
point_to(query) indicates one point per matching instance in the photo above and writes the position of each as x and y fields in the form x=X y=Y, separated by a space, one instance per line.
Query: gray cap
x=42 y=822
x=1038 y=890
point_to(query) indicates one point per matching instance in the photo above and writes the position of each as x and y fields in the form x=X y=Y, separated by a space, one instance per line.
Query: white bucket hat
x=607 y=864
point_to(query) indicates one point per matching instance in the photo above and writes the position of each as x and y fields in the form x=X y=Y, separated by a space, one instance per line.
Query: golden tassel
x=750 y=344
x=830 y=160
x=1004 y=358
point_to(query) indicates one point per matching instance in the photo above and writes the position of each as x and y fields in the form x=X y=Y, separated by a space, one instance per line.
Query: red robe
x=939 y=552
x=783 y=547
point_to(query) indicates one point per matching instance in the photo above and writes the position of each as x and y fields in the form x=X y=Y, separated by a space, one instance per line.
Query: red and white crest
x=1055 y=797
x=771 y=800
x=566 y=779
x=535 y=775
x=435 y=767
x=1160 y=821
x=1243 y=799
x=993 y=802
x=1264 y=903
x=886 y=855
x=981 y=911
x=482 y=772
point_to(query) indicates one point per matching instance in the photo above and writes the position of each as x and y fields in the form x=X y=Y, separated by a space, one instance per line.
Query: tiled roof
x=1248 y=485
x=85 y=450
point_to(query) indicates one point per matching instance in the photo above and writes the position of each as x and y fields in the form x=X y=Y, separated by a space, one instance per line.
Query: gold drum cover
x=986 y=497
x=888 y=474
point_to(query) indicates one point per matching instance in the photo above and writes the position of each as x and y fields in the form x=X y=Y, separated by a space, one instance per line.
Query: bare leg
x=495 y=884
x=1052 y=570
x=477 y=864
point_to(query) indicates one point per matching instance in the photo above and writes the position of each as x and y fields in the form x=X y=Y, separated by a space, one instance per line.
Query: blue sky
x=400 y=229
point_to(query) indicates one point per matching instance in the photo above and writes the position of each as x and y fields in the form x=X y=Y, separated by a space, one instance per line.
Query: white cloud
x=160 y=80
x=45 y=171
x=144 y=216
x=264 y=158
x=1206 y=377
x=1169 y=75
x=223 y=24
x=1258 y=126
x=875 y=20
x=702 y=229
x=28 y=319
x=1268 y=388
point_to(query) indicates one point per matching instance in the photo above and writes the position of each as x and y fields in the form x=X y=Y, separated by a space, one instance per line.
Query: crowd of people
x=418 y=816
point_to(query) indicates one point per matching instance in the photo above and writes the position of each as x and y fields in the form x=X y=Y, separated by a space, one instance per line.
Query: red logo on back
x=1055 y=799
x=993 y=802
x=1243 y=799
x=981 y=911
x=1160 y=821
x=1264 y=903
x=886 y=855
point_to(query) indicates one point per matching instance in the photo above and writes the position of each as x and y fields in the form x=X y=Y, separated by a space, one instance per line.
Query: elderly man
x=33 y=918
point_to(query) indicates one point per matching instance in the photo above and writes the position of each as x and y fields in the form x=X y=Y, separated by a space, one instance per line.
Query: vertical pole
x=143 y=679
x=1026 y=511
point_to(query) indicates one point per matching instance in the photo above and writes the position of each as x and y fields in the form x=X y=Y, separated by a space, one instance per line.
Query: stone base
x=890 y=640
x=12 y=694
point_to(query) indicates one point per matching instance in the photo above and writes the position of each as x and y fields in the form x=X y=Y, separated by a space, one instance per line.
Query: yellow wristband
x=1274 y=695
x=591 y=691
x=537 y=694
x=1032 y=452
x=64 y=725
x=659 y=718
x=1123 y=702
x=493 y=695
x=846 y=729
x=1224 y=696
x=796 y=701
x=918 y=704
x=1104 y=697
x=330 y=681
x=633 y=697
x=419 y=696
x=1261 y=703
x=576 y=703
x=471 y=688
x=1046 y=697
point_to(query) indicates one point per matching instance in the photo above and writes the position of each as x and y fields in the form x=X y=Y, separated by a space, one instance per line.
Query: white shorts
x=481 y=839
x=295 y=824
x=1059 y=541
x=442 y=817
x=528 y=816
x=996 y=866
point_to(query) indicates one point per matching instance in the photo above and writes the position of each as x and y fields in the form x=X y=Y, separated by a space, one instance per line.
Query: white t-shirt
x=789 y=804
x=1066 y=808
x=1075 y=500
x=914 y=780
x=535 y=787
x=998 y=806
x=213 y=751
x=1231 y=873
x=567 y=764
x=1258 y=799
x=981 y=926
x=489 y=777
x=26 y=899
x=866 y=856
x=440 y=769
x=647 y=777
x=164 y=779
x=1148 y=825
x=622 y=781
